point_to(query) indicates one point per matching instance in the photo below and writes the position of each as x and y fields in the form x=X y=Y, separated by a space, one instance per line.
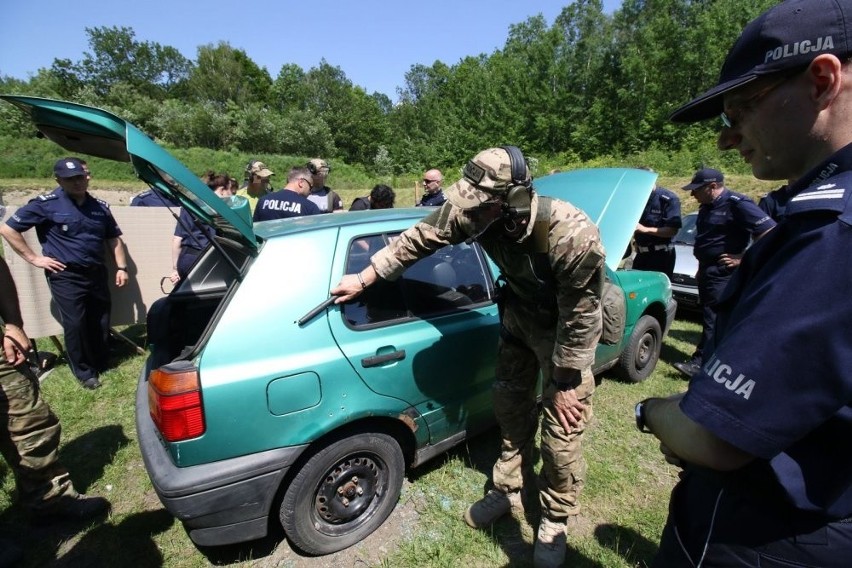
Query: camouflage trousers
x=526 y=349
x=29 y=440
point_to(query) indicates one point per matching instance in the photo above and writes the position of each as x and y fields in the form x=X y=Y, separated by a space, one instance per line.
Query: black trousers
x=712 y=280
x=721 y=527
x=659 y=260
x=82 y=297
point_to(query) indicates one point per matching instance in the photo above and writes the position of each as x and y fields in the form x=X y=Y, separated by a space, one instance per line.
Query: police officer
x=29 y=431
x=433 y=193
x=726 y=221
x=551 y=256
x=659 y=222
x=150 y=198
x=774 y=203
x=190 y=238
x=763 y=428
x=73 y=228
x=292 y=201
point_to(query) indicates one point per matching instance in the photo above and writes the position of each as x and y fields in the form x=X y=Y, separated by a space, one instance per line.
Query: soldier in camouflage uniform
x=552 y=259
x=29 y=431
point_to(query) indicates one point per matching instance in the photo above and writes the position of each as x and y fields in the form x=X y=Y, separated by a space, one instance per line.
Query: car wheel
x=343 y=493
x=640 y=356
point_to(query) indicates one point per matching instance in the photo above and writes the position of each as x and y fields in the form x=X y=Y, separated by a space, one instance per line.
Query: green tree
x=117 y=57
x=224 y=74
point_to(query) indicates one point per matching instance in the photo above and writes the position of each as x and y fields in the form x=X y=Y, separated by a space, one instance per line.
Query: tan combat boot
x=494 y=505
x=551 y=543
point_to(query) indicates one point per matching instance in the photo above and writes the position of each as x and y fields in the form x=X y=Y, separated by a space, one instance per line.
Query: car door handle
x=382 y=359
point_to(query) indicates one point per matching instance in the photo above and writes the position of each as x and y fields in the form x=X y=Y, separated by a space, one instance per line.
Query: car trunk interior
x=179 y=324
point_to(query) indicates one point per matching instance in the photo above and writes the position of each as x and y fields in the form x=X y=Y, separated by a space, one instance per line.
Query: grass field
x=624 y=501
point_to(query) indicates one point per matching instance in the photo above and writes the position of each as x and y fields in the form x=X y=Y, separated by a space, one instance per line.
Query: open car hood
x=613 y=198
x=82 y=129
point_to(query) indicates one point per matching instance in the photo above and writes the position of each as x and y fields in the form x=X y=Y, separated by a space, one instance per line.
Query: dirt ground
x=20 y=197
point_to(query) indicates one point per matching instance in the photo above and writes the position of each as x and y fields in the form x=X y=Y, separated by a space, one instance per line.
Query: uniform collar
x=820 y=188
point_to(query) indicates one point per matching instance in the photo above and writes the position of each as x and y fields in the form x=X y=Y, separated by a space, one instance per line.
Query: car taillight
x=174 y=401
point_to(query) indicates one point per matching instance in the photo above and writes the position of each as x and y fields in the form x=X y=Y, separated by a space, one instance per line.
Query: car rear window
x=452 y=279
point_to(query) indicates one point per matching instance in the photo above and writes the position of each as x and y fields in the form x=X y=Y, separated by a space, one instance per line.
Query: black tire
x=639 y=358
x=343 y=493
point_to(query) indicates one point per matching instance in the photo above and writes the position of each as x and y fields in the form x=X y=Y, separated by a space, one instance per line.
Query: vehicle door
x=430 y=338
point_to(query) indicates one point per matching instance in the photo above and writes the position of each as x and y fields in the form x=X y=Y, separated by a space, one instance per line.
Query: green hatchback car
x=250 y=408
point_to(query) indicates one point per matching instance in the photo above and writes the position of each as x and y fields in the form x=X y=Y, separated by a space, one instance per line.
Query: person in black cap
x=74 y=230
x=659 y=222
x=763 y=429
x=726 y=221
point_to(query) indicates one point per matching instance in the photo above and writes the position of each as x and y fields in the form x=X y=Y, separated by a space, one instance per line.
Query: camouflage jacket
x=574 y=253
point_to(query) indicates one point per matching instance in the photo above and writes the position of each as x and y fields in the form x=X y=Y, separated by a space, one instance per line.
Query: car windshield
x=686 y=234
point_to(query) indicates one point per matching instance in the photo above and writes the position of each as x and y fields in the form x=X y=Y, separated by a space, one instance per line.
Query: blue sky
x=375 y=42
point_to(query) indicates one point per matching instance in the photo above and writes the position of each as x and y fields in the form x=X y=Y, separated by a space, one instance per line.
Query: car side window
x=452 y=279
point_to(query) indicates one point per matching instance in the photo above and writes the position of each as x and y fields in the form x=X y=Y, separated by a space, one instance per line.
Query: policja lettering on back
x=287 y=206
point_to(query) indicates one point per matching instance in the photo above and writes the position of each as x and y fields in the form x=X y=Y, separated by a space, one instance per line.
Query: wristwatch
x=640 y=417
x=124 y=268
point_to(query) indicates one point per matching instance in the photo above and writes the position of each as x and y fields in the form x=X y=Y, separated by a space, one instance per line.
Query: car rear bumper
x=223 y=502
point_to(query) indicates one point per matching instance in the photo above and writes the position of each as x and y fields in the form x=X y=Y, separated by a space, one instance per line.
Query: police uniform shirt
x=150 y=198
x=779 y=383
x=774 y=203
x=191 y=235
x=662 y=210
x=284 y=203
x=726 y=225
x=72 y=235
x=433 y=199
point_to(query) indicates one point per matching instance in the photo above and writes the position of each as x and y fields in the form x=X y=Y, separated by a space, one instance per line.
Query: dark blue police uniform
x=433 y=199
x=777 y=384
x=724 y=226
x=774 y=203
x=284 y=203
x=75 y=236
x=193 y=240
x=654 y=252
x=150 y=198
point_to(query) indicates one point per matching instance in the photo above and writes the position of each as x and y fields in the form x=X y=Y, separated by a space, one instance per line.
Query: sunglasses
x=430 y=181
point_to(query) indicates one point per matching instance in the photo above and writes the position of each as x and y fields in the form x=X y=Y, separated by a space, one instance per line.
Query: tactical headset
x=312 y=167
x=248 y=169
x=517 y=201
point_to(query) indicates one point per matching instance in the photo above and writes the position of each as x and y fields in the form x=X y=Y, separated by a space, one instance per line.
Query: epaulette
x=665 y=197
x=46 y=197
x=735 y=196
x=102 y=202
